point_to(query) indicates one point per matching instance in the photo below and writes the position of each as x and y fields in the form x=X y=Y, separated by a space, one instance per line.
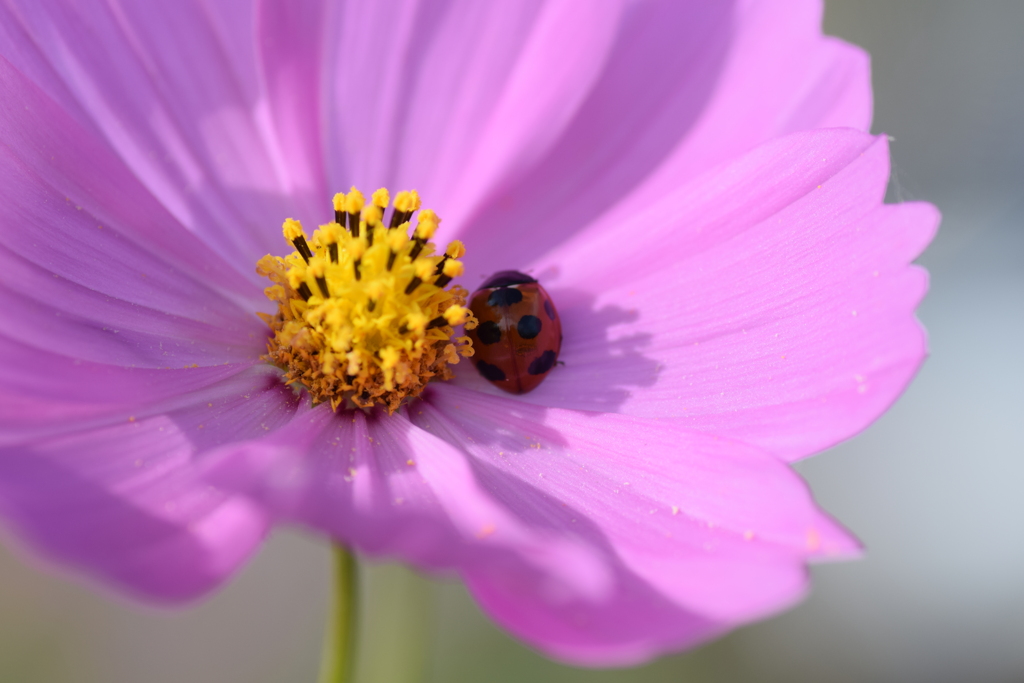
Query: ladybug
x=519 y=336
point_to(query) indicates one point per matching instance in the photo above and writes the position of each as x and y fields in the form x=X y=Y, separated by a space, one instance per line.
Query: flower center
x=363 y=314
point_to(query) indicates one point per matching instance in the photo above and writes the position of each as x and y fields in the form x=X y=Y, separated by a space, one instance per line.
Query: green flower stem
x=338 y=662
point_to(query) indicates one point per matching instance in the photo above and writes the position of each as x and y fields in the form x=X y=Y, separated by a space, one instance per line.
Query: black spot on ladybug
x=542 y=363
x=488 y=332
x=504 y=296
x=549 y=309
x=528 y=326
x=493 y=372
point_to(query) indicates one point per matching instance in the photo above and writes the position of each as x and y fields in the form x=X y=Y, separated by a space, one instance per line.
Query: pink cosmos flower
x=690 y=181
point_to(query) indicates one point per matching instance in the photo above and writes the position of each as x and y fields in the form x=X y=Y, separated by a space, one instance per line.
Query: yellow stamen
x=407 y=202
x=456 y=315
x=398 y=239
x=293 y=229
x=453 y=268
x=363 y=315
x=381 y=198
x=356 y=247
x=354 y=201
x=423 y=268
x=372 y=214
x=456 y=249
x=330 y=233
x=424 y=231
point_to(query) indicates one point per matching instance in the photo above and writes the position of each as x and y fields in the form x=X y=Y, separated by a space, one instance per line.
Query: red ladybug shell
x=519 y=336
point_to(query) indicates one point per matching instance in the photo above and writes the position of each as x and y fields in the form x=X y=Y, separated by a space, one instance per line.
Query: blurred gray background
x=935 y=489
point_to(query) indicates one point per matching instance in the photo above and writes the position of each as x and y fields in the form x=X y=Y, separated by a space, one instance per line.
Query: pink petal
x=387 y=488
x=781 y=76
x=192 y=123
x=769 y=301
x=43 y=393
x=701 y=533
x=685 y=86
x=456 y=90
x=92 y=265
x=600 y=539
x=290 y=44
x=123 y=502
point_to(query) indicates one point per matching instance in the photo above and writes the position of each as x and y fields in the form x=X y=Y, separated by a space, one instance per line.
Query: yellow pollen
x=330 y=234
x=455 y=315
x=292 y=229
x=453 y=268
x=424 y=268
x=372 y=214
x=364 y=316
x=356 y=247
x=425 y=230
x=397 y=239
x=456 y=249
x=408 y=201
x=354 y=201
